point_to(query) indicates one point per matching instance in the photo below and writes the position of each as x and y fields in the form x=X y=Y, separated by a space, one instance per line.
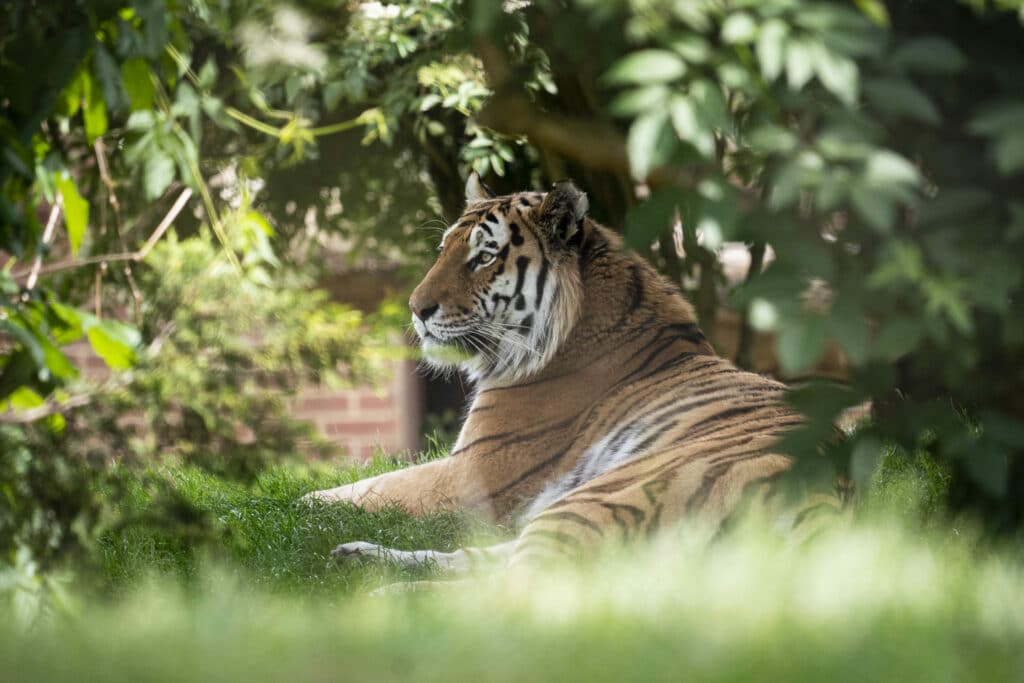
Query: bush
x=224 y=349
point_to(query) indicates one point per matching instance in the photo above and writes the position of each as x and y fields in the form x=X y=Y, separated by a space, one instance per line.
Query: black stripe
x=619 y=511
x=569 y=516
x=503 y=437
x=534 y=535
x=637 y=286
x=541 y=277
x=713 y=474
x=521 y=264
x=544 y=464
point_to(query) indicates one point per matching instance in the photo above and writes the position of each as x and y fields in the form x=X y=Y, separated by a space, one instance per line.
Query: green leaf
x=427 y=103
x=874 y=207
x=186 y=101
x=24 y=398
x=739 y=28
x=115 y=343
x=849 y=328
x=800 y=342
x=1009 y=152
x=214 y=108
x=74 y=93
x=637 y=100
x=772 y=139
x=650 y=219
x=16 y=328
x=54 y=359
x=334 y=90
x=690 y=126
x=885 y=169
x=901 y=98
x=138 y=83
x=109 y=77
x=896 y=338
x=874 y=10
x=999 y=119
x=799 y=63
x=208 y=74
x=930 y=53
x=692 y=48
x=157 y=174
x=711 y=106
x=838 y=74
x=94 y=111
x=153 y=14
x=76 y=210
x=48 y=358
x=770 y=48
x=72 y=330
x=646 y=143
x=647 y=66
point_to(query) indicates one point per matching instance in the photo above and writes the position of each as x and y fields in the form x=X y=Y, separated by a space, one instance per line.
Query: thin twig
x=108 y=182
x=98 y=297
x=179 y=204
x=51 y=223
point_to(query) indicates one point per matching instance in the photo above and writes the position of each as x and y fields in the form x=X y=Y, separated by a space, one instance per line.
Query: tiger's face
x=503 y=294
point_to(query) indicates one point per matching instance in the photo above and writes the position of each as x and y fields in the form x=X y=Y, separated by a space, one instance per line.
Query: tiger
x=600 y=412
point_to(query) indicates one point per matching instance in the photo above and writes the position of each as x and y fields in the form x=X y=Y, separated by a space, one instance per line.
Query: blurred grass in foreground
x=864 y=604
x=253 y=595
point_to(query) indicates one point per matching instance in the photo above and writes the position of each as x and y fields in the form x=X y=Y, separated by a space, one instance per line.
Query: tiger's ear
x=476 y=191
x=562 y=212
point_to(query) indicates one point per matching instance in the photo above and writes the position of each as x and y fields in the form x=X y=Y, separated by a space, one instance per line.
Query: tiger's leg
x=460 y=561
x=634 y=501
x=442 y=484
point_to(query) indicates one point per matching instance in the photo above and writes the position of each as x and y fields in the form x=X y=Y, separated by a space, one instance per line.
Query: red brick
x=325 y=403
x=366 y=452
x=374 y=402
x=360 y=427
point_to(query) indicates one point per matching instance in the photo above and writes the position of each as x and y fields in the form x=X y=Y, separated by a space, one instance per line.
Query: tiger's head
x=505 y=291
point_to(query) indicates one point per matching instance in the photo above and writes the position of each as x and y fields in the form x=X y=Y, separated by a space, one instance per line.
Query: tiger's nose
x=424 y=312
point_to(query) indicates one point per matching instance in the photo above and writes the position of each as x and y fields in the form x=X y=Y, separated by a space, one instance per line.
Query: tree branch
x=131 y=256
x=593 y=144
x=49 y=408
x=37 y=265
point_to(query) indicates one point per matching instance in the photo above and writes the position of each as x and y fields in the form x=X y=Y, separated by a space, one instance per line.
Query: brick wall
x=363 y=418
x=358 y=419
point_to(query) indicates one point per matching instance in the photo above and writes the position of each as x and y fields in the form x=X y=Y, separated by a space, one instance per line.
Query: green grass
x=868 y=604
x=252 y=595
x=265 y=532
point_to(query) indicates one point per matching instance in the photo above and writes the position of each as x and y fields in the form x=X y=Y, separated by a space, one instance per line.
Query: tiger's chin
x=444 y=355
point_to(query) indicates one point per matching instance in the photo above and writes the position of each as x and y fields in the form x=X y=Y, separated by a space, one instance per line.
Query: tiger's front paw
x=358 y=549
